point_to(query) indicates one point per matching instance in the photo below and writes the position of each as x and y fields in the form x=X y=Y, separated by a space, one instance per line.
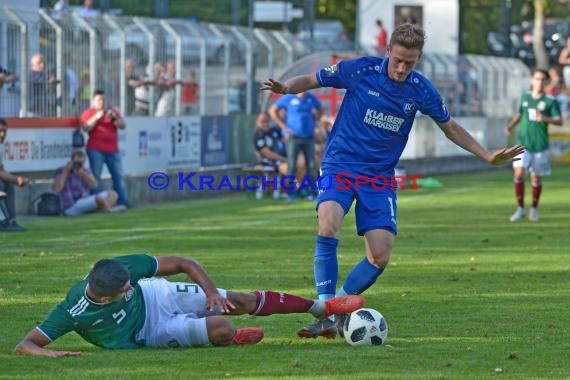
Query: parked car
x=137 y=43
x=515 y=45
x=555 y=33
x=519 y=42
x=328 y=35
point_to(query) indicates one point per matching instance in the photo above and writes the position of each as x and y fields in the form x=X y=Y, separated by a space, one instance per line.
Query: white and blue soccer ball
x=365 y=327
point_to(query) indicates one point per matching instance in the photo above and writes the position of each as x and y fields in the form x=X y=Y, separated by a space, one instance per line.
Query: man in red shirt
x=190 y=94
x=381 y=39
x=102 y=123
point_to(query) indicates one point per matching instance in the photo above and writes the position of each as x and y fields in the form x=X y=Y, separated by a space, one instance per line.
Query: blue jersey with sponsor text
x=372 y=126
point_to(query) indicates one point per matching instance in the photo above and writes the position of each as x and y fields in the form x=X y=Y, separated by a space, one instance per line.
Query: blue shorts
x=376 y=206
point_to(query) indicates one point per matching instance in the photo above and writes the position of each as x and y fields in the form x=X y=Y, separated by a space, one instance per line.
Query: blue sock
x=326 y=267
x=360 y=278
x=341 y=292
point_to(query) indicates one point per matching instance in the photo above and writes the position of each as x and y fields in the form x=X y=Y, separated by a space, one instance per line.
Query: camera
x=77 y=165
x=111 y=115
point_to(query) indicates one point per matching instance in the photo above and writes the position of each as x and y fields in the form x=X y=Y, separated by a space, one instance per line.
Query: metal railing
x=82 y=55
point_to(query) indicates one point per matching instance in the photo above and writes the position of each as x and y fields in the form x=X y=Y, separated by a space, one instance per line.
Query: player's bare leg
x=221 y=332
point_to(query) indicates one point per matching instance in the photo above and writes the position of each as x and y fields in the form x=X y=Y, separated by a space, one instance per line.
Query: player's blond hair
x=409 y=36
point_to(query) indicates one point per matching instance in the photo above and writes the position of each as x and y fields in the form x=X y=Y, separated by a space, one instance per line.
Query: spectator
x=381 y=39
x=70 y=87
x=39 y=102
x=158 y=71
x=301 y=110
x=234 y=98
x=73 y=183
x=62 y=5
x=322 y=131
x=536 y=112
x=190 y=94
x=133 y=82
x=6 y=77
x=166 y=83
x=102 y=125
x=564 y=60
x=142 y=93
x=468 y=90
x=255 y=106
x=406 y=16
x=268 y=141
x=7 y=182
x=556 y=89
x=85 y=91
x=88 y=12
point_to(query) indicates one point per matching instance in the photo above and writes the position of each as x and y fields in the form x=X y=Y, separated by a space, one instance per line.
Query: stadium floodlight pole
x=483 y=67
x=23 y=57
x=443 y=61
x=265 y=41
x=236 y=8
x=122 y=57
x=178 y=56
x=288 y=46
x=248 y=68
x=497 y=91
x=214 y=28
x=151 y=56
x=250 y=13
x=92 y=49
x=58 y=53
x=203 y=61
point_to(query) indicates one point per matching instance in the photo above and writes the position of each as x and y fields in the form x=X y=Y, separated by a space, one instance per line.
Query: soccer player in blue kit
x=367 y=140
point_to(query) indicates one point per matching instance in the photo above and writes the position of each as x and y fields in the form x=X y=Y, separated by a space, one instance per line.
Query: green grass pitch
x=467 y=294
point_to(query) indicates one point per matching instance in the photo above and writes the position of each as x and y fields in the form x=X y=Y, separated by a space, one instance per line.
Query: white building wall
x=440 y=22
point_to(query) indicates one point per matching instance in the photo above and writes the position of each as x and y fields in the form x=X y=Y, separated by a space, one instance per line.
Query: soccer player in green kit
x=120 y=304
x=536 y=111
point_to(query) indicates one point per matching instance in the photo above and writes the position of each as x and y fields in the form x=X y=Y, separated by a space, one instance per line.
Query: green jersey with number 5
x=533 y=134
x=111 y=325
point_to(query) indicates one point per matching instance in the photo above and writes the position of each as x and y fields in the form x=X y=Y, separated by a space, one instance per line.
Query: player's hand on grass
x=217 y=302
x=505 y=155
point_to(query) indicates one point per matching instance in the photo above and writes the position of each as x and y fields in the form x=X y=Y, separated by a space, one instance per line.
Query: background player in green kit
x=536 y=111
x=119 y=304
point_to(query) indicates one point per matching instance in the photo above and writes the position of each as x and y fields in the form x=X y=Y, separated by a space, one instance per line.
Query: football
x=365 y=327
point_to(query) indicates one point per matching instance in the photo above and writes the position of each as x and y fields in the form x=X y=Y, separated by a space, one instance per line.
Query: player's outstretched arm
x=33 y=344
x=171 y=265
x=294 y=85
x=462 y=138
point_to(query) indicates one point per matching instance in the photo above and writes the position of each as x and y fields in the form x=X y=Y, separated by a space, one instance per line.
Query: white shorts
x=537 y=163
x=174 y=314
x=84 y=205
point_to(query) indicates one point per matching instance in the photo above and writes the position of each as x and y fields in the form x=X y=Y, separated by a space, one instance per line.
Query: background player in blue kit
x=368 y=138
x=301 y=112
x=119 y=304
